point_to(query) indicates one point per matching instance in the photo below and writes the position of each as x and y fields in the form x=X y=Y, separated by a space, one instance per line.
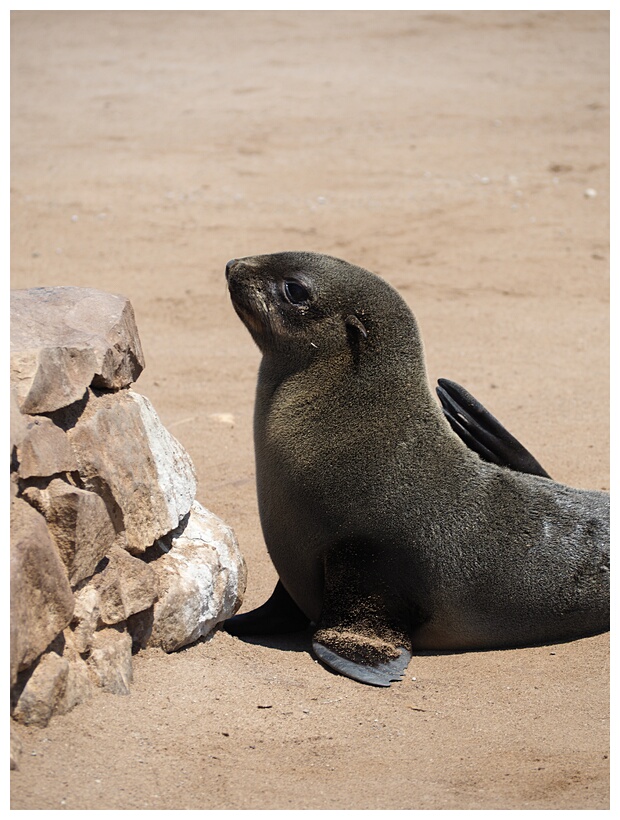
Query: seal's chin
x=252 y=311
x=250 y=320
x=243 y=300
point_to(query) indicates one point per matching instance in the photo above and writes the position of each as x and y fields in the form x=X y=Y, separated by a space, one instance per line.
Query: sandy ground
x=464 y=157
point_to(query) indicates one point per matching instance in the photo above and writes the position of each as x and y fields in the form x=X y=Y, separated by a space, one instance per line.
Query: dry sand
x=464 y=157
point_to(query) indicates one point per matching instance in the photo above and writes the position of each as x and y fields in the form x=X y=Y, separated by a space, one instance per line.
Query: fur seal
x=387 y=531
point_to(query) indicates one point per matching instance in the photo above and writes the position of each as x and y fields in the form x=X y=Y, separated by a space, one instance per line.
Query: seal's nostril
x=229 y=267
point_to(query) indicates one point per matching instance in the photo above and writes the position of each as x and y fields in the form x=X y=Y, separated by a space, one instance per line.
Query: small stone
x=223 y=418
x=85 y=617
x=110 y=661
x=560 y=168
x=42 y=694
x=79 y=687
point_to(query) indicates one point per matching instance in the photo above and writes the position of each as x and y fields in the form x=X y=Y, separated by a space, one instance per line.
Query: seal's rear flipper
x=277 y=616
x=379 y=673
x=482 y=432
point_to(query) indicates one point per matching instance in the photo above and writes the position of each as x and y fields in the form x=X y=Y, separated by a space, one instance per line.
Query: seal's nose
x=230 y=267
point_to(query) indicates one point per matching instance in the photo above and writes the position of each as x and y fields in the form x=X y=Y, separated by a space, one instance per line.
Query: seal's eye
x=296 y=293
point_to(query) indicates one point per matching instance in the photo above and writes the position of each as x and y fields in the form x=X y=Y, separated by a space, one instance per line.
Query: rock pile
x=110 y=551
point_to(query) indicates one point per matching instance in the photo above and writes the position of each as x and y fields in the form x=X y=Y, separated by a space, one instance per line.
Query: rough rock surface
x=128 y=457
x=111 y=660
x=16 y=748
x=200 y=580
x=110 y=551
x=65 y=339
x=41 y=598
x=44 y=449
x=44 y=693
x=126 y=586
x=78 y=522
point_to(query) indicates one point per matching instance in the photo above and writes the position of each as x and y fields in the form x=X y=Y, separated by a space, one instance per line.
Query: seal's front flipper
x=279 y=615
x=362 y=632
x=482 y=432
x=378 y=672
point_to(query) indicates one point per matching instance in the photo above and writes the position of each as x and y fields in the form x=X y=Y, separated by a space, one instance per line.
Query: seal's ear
x=355 y=324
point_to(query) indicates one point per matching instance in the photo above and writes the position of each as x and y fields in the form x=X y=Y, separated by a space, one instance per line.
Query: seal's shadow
x=302 y=642
x=290 y=642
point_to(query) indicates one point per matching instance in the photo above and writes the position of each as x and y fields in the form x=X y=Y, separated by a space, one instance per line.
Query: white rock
x=201 y=581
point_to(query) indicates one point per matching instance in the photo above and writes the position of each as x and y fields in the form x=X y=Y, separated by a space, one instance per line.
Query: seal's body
x=385 y=529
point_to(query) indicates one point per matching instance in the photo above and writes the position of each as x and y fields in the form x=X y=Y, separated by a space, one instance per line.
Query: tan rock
x=126 y=586
x=48 y=379
x=41 y=598
x=110 y=661
x=85 y=618
x=80 y=685
x=79 y=523
x=128 y=457
x=201 y=581
x=58 y=683
x=44 y=449
x=16 y=748
x=18 y=427
x=65 y=339
x=44 y=692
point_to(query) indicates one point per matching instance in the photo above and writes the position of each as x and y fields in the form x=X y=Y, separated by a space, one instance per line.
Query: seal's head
x=300 y=305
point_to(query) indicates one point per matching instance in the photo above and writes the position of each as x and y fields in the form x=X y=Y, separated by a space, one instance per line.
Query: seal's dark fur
x=379 y=520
